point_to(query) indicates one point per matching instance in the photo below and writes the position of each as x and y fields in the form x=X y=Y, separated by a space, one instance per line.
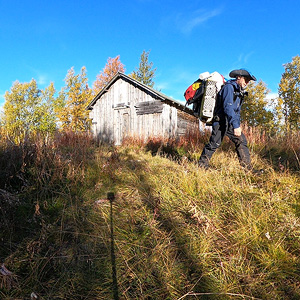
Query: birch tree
x=72 y=102
x=289 y=94
x=28 y=111
x=256 y=110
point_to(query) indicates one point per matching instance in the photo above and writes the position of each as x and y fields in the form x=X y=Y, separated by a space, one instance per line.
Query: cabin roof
x=155 y=94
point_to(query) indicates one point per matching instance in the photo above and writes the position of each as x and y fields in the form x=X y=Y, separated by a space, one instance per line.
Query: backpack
x=191 y=91
x=203 y=95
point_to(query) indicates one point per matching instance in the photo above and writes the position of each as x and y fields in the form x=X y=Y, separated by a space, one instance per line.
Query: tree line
x=283 y=112
x=29 y=110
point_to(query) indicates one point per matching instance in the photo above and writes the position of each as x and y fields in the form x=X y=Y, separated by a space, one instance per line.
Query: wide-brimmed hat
x=241 y=72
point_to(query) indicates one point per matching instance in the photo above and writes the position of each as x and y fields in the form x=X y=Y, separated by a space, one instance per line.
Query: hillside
x=88 y=221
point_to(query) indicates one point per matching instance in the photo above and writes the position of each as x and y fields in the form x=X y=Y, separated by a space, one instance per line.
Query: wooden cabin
x=126 y=107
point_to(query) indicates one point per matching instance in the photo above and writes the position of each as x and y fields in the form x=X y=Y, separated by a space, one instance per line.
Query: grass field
x=82 y=220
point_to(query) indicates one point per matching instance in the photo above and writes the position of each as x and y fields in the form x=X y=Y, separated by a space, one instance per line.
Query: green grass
x=178 y=232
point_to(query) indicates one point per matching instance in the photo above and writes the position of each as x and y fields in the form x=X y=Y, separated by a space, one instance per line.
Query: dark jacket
x=229 y=103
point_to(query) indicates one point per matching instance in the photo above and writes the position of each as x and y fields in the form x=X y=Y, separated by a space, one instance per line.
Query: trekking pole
x=111 y=198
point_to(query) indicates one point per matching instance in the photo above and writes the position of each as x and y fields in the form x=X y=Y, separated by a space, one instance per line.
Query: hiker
x=227 y=119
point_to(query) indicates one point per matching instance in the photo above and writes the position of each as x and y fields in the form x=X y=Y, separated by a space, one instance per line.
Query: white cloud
x=242 y=60
x=272 y=96
x=161 y=86
x=195 y=19
x=272 y=101
x=2 y=98
x=42 y=79
x=2 y=101
x=40 y=76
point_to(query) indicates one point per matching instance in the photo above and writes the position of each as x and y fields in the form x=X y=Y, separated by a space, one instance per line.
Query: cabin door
x=124 y=125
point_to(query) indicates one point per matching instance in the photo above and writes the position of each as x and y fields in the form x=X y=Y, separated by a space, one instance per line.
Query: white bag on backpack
x=214 y=83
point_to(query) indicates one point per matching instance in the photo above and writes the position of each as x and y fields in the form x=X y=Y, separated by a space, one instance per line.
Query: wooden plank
x=149 y=107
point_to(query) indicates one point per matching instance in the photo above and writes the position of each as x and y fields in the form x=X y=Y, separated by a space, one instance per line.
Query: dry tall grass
x=172 y=232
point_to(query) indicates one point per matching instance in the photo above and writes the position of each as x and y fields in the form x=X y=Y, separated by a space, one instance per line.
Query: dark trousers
x=219 y=130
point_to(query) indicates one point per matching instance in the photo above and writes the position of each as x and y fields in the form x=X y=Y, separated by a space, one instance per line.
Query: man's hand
x=237 y=131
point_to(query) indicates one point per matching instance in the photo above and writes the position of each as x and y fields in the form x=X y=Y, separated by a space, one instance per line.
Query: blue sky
x=44 y=39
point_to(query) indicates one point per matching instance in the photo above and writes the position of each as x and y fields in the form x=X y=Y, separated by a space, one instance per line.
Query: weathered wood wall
x=127 y=110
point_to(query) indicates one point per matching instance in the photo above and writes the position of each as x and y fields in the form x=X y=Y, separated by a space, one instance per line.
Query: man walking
x=227 y=119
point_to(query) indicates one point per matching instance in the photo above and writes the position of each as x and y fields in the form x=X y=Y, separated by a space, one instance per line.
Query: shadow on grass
x=193 y=271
